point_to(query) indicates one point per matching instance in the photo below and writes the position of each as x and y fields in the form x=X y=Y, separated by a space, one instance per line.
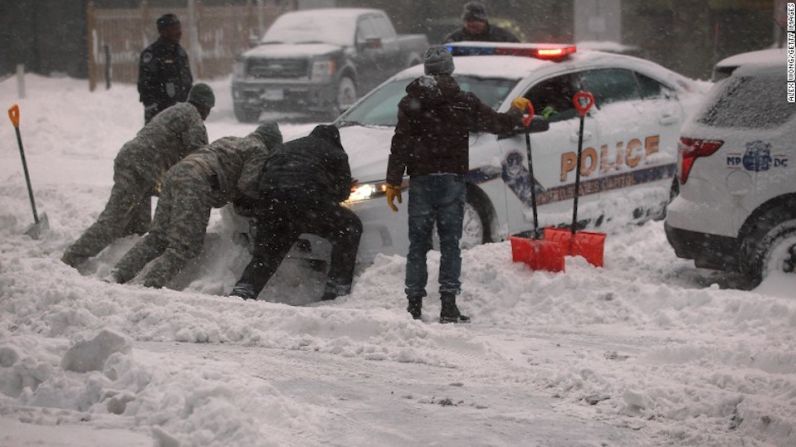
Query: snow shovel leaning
x=536 y=253
x=590 y=245
x=40 y=225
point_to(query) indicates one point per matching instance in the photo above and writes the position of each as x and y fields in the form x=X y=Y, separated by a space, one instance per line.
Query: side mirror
x=254 y=40
x=373 y=43
x=538 y=124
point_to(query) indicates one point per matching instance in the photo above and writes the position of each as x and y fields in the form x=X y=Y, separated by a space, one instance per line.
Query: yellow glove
x=393 y=192
x=521 y=103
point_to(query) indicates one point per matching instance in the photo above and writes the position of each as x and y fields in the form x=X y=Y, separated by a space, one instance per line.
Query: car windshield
x=312 y=28
x=748 y=102
x=381 y=107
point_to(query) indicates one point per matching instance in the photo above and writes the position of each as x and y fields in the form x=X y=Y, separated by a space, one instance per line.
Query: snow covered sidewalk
x=644 y=352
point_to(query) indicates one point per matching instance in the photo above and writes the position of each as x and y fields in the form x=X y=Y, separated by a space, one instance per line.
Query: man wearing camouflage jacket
x=209 y=178
x=138 y=168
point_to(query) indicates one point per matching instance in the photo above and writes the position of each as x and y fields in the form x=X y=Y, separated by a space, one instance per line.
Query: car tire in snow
x=770 y=246
x=245 y=115
x=346 y=95
x=476 y=224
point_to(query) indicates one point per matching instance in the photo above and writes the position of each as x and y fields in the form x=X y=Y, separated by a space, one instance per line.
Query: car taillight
x=692 y=148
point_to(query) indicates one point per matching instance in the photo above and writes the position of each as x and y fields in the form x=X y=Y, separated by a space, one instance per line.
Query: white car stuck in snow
x=736 y=210
x=629 y=154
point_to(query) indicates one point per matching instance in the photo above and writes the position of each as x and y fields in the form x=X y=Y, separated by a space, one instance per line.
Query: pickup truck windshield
x=381 y=107
x=312 y=28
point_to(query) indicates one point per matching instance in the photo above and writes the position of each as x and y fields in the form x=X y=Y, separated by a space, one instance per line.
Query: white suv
x=736 y=210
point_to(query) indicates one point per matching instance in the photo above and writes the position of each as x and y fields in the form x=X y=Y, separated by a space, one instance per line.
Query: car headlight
x=239 y=69
x=322 y=70
x=366 y=191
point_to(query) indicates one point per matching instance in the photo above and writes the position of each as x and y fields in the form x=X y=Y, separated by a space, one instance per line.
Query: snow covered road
x=645 y=352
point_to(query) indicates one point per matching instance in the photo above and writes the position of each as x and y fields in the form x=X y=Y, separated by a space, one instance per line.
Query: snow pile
x=645 y=351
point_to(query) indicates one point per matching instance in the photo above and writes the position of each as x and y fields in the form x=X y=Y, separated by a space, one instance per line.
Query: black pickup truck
x=320 y=60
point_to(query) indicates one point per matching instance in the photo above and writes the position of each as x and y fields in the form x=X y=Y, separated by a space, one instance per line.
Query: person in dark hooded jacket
x=476 y=27
x=431 y=144
x=302 y=185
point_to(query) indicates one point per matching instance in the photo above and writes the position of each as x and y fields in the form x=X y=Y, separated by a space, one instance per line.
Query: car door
x=629 y=140
x=371 y=61
x=554 y=166
x=392 y=61
x=663 y=116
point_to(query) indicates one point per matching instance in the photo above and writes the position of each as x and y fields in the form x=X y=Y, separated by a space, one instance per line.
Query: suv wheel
x=778 y=250
x=346 y=94
x=475 y=226
x=771 y=247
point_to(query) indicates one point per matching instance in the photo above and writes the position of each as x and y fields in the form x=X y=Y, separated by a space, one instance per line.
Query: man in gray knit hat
x=137 y=171
x=431 y=144
x=476 y=27
x=211 y=177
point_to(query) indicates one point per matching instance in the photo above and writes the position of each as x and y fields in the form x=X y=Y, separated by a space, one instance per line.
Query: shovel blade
x=36 y=230
x=538 y=254
x=589 y=244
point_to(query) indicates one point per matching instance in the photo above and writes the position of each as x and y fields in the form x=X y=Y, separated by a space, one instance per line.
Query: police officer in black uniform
x=164 y=75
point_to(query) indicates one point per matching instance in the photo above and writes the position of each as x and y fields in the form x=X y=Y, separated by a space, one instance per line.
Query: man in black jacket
x=164 y=74
x=476 y=27
x=302 y=185
x=431 y=144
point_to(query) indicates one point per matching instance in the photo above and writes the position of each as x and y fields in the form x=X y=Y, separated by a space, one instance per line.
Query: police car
x=736 y=210
x=629 y=154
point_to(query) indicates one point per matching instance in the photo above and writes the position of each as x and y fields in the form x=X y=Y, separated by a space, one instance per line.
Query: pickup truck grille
x=278 y=68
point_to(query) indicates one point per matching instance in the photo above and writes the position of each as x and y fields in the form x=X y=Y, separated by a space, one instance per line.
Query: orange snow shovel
x=590 y=245
x=536 y=253
x=40 y=225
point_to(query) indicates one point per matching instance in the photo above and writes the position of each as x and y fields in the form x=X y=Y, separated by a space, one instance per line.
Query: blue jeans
x=435 y=198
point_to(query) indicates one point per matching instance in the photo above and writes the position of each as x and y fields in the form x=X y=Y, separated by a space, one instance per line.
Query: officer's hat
x=166 y=20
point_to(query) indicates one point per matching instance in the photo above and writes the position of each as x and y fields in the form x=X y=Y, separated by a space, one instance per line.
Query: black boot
x=415 y=306
x=328 y=296
x=244 y=290
x=450 y=313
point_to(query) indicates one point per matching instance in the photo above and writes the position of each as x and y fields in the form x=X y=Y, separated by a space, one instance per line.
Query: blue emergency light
x=552 y=52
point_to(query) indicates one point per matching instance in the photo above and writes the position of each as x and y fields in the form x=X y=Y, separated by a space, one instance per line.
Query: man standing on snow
x=302 y=185
x=431 y=144
x=139 y=167
x=164 y=74
x=476 y=27
x=209 y=178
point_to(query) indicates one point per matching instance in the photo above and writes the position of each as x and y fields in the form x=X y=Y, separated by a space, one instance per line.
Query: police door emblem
x=758 y=156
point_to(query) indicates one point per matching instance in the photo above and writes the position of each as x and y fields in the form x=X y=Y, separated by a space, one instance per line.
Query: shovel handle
x=583 y=101
x=13 y=115
x=527 y=118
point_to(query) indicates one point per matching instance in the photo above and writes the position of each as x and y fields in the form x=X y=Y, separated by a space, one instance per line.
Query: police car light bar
x=553 y=52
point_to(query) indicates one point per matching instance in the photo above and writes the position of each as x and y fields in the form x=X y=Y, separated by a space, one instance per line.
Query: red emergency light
x=552 y=52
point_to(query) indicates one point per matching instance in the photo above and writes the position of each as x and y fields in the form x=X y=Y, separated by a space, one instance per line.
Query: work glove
x=547 y=112
x=521 y=103
x=519 y=107
x=393 y=192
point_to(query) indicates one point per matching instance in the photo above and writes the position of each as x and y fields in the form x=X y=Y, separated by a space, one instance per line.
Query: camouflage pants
x=177 y=232
x=127 y=212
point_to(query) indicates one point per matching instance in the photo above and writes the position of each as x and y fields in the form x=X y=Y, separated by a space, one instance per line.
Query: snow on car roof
x=334 y=26
x=773 y=67
x=519 y=67
x=754 y=57
x=509 y=67
x=332 y=12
